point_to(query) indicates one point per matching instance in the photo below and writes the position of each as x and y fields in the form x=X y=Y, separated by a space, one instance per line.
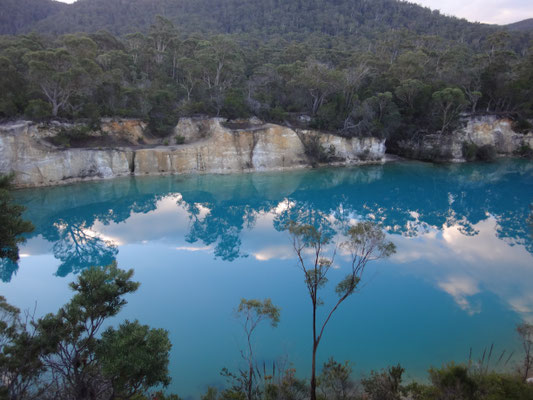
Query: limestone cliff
x=36 y=163
x=479 y=131
x=210 y=147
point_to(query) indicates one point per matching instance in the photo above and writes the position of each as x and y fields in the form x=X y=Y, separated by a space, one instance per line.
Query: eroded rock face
x=209 y=147
x=37 y=164
x=216 y=149
x=131 y=130
x=480 y=131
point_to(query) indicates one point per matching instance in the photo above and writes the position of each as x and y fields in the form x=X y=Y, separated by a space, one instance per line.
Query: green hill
x=18 y=16
x=262 y=18
x=525 y=25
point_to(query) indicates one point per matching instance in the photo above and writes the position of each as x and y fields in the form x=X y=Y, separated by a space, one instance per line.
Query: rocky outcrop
x=210 y=147
x=35 y=163
x=478 y=131
x=131 y=130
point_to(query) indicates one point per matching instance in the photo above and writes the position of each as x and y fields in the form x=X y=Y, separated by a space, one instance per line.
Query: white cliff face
x=36 y=164
x=210 y=148
x=481 y=131
x=214 y=148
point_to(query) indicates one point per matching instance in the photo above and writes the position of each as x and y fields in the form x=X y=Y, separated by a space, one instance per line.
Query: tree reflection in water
x=408 y=199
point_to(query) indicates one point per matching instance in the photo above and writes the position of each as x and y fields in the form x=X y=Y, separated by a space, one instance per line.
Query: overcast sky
x=488 y=11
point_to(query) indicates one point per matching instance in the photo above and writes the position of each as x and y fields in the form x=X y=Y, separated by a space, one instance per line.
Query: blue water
x=462 y=276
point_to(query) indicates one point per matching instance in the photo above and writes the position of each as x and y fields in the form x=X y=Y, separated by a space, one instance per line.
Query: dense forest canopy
x=382 y=68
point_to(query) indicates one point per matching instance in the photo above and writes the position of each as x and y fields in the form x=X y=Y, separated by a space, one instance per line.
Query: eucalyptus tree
x=448 y=104
x=408 y=92
x=376 y=116
x=222 y=66
x=252 y=313
x=60 y=75
x=365 y=242
x=320 y=81
x=162 y=34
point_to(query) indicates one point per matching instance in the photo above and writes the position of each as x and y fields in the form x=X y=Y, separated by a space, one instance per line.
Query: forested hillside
x=263 y=18
x=525 y=25
x=382 y=68
x=17 y=16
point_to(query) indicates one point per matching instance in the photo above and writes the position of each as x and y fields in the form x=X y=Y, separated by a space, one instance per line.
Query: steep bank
x=474 y=133
x=209 y=147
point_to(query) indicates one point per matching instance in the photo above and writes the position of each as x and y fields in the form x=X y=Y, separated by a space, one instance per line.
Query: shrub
x=37 y=110
x=179 y=139
x=522 y=125
x=496 y=386
x=453 y=382
x=525 y=151
x=469 y=151
x=72 y=136
x=315 y=151
x=472 y=152
x=385 y=385
x=277 y=114
x=234 y=105
x=486 y=153
x=162 y=117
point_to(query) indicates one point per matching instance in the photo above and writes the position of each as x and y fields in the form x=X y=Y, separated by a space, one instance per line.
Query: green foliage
x=486 y=153
x=453 y=382
x=73 y=136
x=335 y=382
x=448 y=104
x=525 y=151
x=134 y=358
x=162 y=117
x=472 y=152
x=20 y=352
x=254 y=311
x=354 y=76
x=12 y=226
x=289 y=388
x=496 y=386
x=179 y=139
x=315 y=151
x=385 y=385
x=234 y=105
x=62 y=356
x=522 y=125
x=469 y=151
x=365 y=242
x=38 y=110
x=73 y=330
x=59 y=75
x=376 y=116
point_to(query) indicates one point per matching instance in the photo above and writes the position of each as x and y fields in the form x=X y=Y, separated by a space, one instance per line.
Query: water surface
x=462 y=276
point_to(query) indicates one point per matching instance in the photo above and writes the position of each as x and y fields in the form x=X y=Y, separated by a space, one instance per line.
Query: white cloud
x=460 y=287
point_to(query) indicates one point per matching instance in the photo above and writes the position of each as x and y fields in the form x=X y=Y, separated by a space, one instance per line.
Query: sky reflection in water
x=461 y=278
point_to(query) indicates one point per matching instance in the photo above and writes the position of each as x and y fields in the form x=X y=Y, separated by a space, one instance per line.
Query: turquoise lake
x=461 y=279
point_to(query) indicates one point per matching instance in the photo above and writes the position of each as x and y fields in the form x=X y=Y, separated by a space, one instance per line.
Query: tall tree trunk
x=313 y=363
x=55 y=108
x=313 y=373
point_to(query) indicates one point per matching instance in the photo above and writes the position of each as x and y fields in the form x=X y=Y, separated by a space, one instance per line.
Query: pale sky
x=488 y=11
